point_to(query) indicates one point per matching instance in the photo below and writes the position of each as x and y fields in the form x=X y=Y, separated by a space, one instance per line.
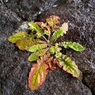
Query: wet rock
x=80 y=18
x=14 y=64
x=89 y=80
x=6 y=1
x=29 y=9
x=14 y=69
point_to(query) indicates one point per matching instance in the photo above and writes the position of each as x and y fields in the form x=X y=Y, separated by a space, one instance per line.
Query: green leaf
x=42 y=51
x=64 y=44
x=57 y=49
x=38 y=35
x=58 y=55
x=46 y=32
x=54 y=49
x=60 y=32
x=17 y=36
x=56 y=44
x=34 y=56
x=34 y=26
x=69 y=66
x=51 y=50
x=57 y=34
x=37 y=47
x=75 y=46
x=43 y=25
x=37 y=75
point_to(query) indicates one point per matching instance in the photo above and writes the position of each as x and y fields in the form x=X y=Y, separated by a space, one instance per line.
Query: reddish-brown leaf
x=53 y=64
x=26 y=42
x=53 y=20
x=41 y=24
x=44 y=26
x=69 y=66
x=38 y=71
x=23 y=44
x=37 y=74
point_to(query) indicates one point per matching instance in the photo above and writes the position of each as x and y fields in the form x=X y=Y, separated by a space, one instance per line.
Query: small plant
x=40 y=40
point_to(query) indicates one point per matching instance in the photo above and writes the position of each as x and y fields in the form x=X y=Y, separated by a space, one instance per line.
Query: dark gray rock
x=14 y=65
x=28 y=9
x=89 y=80
x=80 y=17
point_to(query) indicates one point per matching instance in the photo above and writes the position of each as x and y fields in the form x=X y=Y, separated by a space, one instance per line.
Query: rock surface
x=28 y=10
x=14 y=66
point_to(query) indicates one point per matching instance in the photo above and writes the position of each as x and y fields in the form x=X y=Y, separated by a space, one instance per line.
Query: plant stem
x=45 y=38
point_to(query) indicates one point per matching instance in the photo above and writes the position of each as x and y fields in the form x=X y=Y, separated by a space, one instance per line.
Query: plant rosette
x=40 y=40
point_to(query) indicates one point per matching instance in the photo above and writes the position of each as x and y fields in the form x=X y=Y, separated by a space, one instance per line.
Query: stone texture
x=28 y=9
x=80 y=17
x=14 y=65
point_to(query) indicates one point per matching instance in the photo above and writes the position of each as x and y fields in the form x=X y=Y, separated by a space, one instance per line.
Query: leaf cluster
x=40 y=40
